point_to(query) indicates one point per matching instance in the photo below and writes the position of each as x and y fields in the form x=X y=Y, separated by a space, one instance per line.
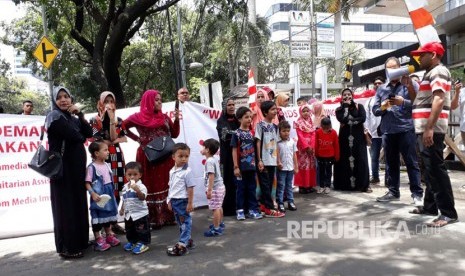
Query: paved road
x=385 y=240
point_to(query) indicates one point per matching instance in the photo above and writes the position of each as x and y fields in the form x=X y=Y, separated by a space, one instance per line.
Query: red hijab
x=305 y=125
x=148 y=117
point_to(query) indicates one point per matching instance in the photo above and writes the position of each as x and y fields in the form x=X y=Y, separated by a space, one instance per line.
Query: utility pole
x=338 y=44
x=50 y=73
x=173 y=59
x=312 y=46
x=181 y=50
x=252 y=47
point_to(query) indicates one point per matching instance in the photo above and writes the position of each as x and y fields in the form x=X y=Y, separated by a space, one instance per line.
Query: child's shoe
x=112 y=240
x=320 y=190
x=190 y=244
x=327 y=190
x=222 y=226
x=129 y=246
x=212 y=232
x=255 y=215
x=177 y=250
x=273 y=214
x=291 y=206
x=281 y=208
x=140 y=248
x=101 y=244
x=240 y=214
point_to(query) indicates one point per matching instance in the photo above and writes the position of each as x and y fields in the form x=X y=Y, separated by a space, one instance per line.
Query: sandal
x=67 y=255
x=441 y=221
x=421 y=211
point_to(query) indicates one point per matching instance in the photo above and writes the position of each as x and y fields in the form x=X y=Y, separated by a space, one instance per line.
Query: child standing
x=243 y=154
x=180 y=198
x=327 y=152
x=266 y=133
x=214 y=186
x=99 y=183
x=287 y=166
x=135 y=210
x=306 y=178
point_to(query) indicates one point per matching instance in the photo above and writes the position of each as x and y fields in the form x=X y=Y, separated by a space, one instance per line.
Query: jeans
x=325 y=169
x=138 y=230
x=438 y=193
x=246 y=187
x=403 y=143
x=375 y=149
x=265 y=179
x=183 y=218
x=285 y=185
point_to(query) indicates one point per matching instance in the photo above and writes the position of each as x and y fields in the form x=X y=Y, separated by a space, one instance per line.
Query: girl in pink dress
x=150 y=123
x=305 y=179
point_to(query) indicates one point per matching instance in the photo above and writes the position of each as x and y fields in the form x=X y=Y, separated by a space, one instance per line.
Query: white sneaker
x=320 y=190
x=417 y=201
x=327 y=190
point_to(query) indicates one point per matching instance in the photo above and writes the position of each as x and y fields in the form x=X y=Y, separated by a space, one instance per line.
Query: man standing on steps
x=431 y=117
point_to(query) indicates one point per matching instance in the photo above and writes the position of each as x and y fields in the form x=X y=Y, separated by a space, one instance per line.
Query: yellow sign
x=45 y=52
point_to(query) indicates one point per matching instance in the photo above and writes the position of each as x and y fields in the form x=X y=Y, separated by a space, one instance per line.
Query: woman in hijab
x=67 y=130
x=107 y=127
x=282 y=100
x=351 y=172
x=151 y=123
x=226 y=126
x=305 y=179
x=318 y=113
x=257 y=115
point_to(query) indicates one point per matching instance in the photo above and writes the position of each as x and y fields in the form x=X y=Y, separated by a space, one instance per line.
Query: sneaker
x=140 y=248
x=255 y=215
x=177 y=250
x=240 y=215
x=190 y=244
x=222 y=226
x=291 y=206
x=374 y=181
x=281 y=208
x=327 y=190
x=320 y=190
x=273 y=214
x=212 y=232
x=112 y=240
x=387 y=197
x=129 y=246
x=101 y=244
x=417 y=201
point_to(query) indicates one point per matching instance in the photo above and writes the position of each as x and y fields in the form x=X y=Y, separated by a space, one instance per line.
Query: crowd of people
x=255 y=149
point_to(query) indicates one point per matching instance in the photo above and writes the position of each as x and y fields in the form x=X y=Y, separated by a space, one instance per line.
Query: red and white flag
x=252 y=88
x=422 y=21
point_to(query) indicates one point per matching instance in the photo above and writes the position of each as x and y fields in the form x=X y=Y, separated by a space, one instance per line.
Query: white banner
x=25 y=195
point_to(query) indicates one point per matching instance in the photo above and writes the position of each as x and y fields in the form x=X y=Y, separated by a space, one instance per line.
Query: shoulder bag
x=46 y=162
x=159 y=148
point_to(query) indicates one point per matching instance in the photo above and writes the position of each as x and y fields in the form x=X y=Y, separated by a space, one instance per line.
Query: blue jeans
x=438 y=194
x=375 y=149
x=402 y=143
x=325 y=169
x=245 y=191
x=285 y=185
x=183 y=218
x=265 y=179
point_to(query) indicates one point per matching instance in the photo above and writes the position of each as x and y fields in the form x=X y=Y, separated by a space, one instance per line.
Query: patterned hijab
x=147 y=117
x=305 y=125
x=101 y=107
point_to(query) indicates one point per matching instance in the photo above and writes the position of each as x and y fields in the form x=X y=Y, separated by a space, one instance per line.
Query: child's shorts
x=216 y=202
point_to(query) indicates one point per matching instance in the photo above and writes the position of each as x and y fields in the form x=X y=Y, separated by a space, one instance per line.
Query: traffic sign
x=45 y=52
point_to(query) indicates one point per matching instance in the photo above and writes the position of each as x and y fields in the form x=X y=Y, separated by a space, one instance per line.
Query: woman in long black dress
x=226 y=126
x=68 y=194
x=351 y=171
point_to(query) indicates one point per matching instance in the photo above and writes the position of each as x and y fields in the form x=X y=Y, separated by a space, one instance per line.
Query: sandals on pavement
x=421 y=211
x=441 y=221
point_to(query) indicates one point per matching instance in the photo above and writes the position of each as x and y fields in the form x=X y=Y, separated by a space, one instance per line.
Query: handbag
x=46 y=162
x=159 y=149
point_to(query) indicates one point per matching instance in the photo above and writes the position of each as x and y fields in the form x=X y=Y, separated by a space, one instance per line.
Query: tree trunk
x=231 y=70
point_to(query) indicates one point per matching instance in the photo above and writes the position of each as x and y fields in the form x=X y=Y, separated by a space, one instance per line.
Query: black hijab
x=56 y=112
x=227 y=123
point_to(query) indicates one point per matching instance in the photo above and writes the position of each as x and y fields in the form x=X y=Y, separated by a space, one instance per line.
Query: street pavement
x=336 y=234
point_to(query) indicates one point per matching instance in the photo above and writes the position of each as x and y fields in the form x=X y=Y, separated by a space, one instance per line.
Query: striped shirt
x=437 y=78
x=134 y=207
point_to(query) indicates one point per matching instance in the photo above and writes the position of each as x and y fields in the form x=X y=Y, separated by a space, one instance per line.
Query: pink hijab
x=305 y=125
x=258 y=115
x=147 y=117
x=319 y=112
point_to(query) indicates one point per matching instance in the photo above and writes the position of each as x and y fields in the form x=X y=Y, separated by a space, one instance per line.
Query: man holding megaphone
x=393 y=102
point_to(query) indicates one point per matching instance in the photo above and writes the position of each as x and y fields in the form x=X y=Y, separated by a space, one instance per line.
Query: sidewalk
x=270 y=246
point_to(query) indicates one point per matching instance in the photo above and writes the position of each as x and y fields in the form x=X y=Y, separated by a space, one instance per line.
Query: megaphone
x=393 y=74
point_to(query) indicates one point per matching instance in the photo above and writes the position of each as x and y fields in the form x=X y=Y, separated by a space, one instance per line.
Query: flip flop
x=441 y=221
x=421 y=211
